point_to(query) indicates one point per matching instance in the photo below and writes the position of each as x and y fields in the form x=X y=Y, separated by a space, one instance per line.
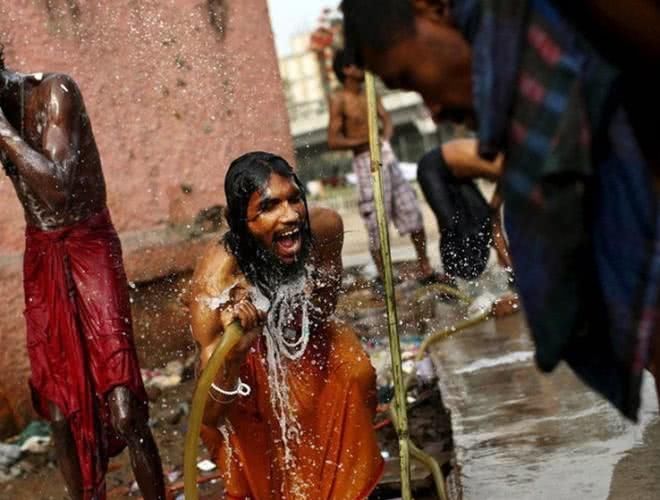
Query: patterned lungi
x=400 y=199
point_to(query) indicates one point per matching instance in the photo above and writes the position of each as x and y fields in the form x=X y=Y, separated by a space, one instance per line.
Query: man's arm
x=204 y=321
x=328 y=231
x=464 y=161
x=208 y=324
x=386 y=121
x=337 y=140
x=50 y=175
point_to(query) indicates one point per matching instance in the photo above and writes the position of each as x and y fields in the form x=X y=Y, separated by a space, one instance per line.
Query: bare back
x=57 y=131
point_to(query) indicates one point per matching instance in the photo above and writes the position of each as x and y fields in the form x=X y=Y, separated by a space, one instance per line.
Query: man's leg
x=499 y=243
x=130 y=422
x=347 y=405
x=66 y=452
x=378 y=260
x=654 y=361
x=419 y=241
x=362 y=170
x=406 y=213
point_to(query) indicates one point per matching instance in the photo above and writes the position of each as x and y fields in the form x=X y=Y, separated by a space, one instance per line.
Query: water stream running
x=525 y=435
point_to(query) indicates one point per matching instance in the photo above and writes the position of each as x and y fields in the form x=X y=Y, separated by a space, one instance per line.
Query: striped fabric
x=582 y=216
x=401 y=205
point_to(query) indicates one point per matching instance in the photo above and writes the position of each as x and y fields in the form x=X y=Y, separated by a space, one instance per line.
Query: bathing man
x=85 y=376
x=290 y=415
x=349 y=130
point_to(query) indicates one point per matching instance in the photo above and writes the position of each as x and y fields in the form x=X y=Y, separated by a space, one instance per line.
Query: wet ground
x=524 y=435
x=519 y=434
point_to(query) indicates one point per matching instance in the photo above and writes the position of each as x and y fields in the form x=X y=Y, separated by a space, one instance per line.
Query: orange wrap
x=333 y=388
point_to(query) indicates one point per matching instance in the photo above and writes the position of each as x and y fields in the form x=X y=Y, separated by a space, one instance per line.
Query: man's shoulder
x=216 y=267
x=61 y=87
x=337 y=98
x=326 y=224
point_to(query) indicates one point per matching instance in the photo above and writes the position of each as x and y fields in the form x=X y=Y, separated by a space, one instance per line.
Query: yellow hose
x=433 y=466
x=440 y=288
x=447 y=332
x=230 y=338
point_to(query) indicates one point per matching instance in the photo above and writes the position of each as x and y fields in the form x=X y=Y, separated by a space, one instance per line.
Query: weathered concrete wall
x=175 y=89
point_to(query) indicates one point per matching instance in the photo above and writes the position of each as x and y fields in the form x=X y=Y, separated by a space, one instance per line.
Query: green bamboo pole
x=392 y=322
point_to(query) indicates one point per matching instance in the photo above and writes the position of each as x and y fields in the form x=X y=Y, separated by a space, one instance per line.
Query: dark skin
x=441 y=71
x=349 y=129
x=59 y=182
x=277 y=210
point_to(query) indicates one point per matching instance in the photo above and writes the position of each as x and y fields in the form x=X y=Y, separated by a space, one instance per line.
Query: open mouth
x=287 y=244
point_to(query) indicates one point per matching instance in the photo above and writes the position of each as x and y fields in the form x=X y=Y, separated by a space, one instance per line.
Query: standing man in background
x=349 y=129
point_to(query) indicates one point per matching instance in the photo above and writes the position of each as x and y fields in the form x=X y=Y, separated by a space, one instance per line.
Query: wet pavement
x=526 y=435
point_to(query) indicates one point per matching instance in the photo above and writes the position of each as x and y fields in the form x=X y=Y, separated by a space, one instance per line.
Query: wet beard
x=270 y=272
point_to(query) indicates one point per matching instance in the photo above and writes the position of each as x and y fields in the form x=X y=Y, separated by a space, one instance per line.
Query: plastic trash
x=9 y=454
x=206 y=466
x=425 y=370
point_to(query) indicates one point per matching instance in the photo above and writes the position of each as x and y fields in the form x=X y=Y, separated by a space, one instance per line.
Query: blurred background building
x=309 y=80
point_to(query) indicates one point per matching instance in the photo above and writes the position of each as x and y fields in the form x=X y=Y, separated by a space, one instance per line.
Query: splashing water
x=283 y=345
x=226 y=430
x=282 y=348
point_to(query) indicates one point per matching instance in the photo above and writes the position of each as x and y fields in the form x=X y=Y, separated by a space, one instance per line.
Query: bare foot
x=425 y=269
x=507 y=305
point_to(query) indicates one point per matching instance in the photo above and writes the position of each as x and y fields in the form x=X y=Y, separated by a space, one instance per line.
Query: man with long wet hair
x=290 y=414
x=85 y=376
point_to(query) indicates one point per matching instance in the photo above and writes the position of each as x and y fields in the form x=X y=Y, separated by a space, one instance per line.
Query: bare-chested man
x=85 y=374
x=349 y=129
x=290 y=416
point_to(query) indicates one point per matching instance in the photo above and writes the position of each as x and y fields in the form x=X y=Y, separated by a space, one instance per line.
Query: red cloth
x=79 y=335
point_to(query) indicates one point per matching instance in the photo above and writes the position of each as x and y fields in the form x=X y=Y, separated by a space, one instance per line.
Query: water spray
x=398 y=410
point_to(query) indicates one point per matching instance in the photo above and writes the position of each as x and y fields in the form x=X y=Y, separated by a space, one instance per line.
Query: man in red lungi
x=85 y=374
